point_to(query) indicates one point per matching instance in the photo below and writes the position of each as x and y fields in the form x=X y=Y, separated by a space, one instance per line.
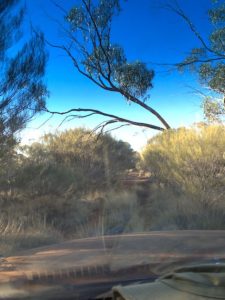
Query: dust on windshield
x=112 y=124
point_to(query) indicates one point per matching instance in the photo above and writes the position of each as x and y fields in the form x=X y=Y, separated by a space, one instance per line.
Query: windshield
x=112 y=139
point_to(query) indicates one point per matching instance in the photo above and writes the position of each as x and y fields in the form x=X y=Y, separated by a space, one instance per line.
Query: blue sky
x=148 y=33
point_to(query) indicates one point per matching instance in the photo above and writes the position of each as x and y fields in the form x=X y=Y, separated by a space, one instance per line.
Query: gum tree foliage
x=22 y=91
x=208 y=60
x=95 y=56
x=214 y=109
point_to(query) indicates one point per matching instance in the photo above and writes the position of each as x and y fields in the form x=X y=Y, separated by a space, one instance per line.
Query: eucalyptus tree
x=22 y=90
x=208 y=60
x=89 y=45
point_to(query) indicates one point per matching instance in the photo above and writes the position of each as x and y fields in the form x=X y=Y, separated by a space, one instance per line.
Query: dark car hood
x=110 y=259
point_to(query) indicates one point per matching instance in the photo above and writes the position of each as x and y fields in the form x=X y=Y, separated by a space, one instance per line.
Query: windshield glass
x=112 y=138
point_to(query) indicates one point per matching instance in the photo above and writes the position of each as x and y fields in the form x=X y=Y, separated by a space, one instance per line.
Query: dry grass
x=109 y=213
x=117 y=212
x=14 y=236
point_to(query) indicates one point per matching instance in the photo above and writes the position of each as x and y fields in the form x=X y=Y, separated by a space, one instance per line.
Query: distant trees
x=75 y=162
x=96 y=57
x=54 y=178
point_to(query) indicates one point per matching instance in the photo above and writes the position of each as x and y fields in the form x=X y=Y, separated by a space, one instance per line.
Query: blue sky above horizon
x=148 y=33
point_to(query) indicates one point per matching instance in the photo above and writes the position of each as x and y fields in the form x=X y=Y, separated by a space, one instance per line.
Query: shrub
x=190 y=166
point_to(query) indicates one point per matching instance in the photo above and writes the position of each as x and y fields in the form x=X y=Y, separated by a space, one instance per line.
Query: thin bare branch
x=98 y=112
x=76 y=65
x=186 y=63
x=59 y=6
x=71 y=117
x=103 y=124
x=45 y=122
x=82 y=72
x=110 y=122
x=178 y=10
x=118 y=127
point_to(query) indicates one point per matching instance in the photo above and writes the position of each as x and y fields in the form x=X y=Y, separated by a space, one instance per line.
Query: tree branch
x=103 y=78
x=146 y=107
x=118 y=127
x=113 y=88
x=76 y=65
x=71 y=117
x=99 y=37
x=178 y=10
x=187 y=63
x=113 y=117
x=181 y=13
x=103 y=124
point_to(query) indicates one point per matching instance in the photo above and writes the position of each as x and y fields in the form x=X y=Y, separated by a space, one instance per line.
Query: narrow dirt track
x=99 y=261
